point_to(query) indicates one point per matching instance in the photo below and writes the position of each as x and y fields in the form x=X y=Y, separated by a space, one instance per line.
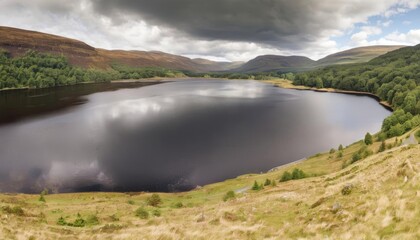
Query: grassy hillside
x=276 y=63
x=267 y=63
x=18 y=41
x=376 y=197
x=356 y=55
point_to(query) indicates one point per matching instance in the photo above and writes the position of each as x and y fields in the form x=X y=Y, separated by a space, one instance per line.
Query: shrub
x=41 y=198
x=340 y=154
x=368 y=139
x=154 y=200
x=79 y=222
x=273 y=183
x=229 y=195
x=340 y=148
x=346 y=190
x=142 y=213
x=356 y=157
x=298 y=174
x=131 y=202
x=286 y=177
x=363 y=152
x=382 y=136
x=178 y=205
x=332 y=150
x=156 y=213
x=256 y=186
x=61 y=221
x=92 y=220
x=16 y=210
x=267 y=182
x=382 y=147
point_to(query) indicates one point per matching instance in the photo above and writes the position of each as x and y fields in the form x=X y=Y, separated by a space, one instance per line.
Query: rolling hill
x=356 y=55
x=18 y=41
x=268 y=63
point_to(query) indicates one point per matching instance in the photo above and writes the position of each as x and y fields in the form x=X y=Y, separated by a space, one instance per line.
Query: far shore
x=284 y=83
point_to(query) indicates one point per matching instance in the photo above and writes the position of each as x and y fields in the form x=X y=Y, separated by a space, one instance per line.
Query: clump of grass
x=178 y=205
x=154 y=200
x=61 y=221
x=273 y=183
x=229 y=195
x=346 y=190
x=114 y=218
x=111 y=228
x=142 y=213
x=92 y=220
x=267 y=182
x=79 y=222
x=156 y=213
x=230 y=216
x=382 y=147
x=16 y=210
x=131 y=202
x=319 y=202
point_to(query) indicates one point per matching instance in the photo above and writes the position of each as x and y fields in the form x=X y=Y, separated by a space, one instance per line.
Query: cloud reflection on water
x=177 y=135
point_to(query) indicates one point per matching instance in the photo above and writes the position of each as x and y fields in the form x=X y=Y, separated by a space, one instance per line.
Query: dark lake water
x=168 y=137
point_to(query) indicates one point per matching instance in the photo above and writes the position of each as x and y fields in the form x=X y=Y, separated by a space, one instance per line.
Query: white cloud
x=361 y=38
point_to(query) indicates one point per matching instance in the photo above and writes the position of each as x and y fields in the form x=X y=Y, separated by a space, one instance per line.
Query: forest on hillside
x=393 y=77
x=41 y=70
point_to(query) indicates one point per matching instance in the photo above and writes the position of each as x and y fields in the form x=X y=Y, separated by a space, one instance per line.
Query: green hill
x=356 y=55
x=268 y=63
x=272 y=63
x=394 y=77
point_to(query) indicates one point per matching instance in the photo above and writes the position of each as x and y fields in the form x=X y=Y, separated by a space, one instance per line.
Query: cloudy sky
x=234 y=30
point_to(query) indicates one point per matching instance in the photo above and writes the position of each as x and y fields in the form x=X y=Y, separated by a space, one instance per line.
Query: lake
x=170 y=136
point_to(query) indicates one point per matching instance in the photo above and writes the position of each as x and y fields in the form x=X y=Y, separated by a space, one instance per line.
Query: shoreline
x=282 y=83
x=287 y=84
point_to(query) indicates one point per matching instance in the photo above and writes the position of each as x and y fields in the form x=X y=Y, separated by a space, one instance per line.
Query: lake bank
x=284 y=83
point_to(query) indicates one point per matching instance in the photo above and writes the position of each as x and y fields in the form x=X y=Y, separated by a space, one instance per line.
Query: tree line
x=393 y=77
x=41 y=70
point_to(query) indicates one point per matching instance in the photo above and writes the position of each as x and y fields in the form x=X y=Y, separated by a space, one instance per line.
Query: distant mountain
x=18 y=41
x=356 y=55
x=268 y=63
x=218 y=66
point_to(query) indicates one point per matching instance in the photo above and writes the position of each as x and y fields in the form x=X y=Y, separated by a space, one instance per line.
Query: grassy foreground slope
x=373 y=198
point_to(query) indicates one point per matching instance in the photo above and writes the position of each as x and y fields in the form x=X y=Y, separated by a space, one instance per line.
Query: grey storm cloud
x=273 y=22
x=235 y=30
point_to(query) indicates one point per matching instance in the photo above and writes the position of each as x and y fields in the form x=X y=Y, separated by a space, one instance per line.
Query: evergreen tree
x=368 y=139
